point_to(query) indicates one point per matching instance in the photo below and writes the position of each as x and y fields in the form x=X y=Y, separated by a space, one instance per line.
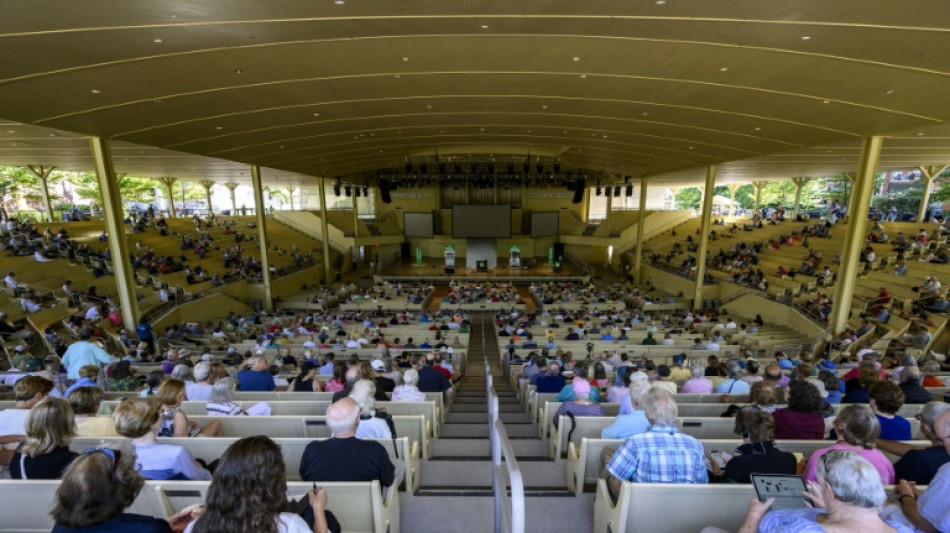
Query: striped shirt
x=660 y=455
x=223 y=409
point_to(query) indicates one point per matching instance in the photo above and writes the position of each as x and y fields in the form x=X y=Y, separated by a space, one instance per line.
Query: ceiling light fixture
x=826 y=101
x=404 y=58
x=158 y=41
x=339 y=2
x=661 y=2
x=238 y=71
x=316 y=114
x=95 y=91
x=889 y=91
x=724 y=69
x=484 y=26
x=583 y=76
x=806 y=37
x=758 y=128
x=920 y=134
x=544 y=107
x=577 y=58
x=218 y=128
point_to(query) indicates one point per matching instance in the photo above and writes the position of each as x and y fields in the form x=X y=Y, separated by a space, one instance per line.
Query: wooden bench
x=360 y=507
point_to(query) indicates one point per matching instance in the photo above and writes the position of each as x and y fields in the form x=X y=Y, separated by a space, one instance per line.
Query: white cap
x=820 y=385
x=378 y=365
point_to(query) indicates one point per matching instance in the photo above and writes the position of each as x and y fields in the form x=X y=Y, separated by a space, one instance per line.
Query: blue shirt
x=256 y=380
x=83 y=353
x=733 y=386
x=567 y=394
x=327 y=369
x=803 y=521
x=626 y=425
x=897 y=428
x=660 y=455
x=120 y=524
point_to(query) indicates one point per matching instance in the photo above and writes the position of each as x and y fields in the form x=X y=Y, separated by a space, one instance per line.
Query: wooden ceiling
x=655 y=88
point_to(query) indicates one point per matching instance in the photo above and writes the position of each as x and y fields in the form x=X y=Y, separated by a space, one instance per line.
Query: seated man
x=255 y=376
x=343 y=457
x=927 y=510
x=661 y=454
x=566 y=394
x=551 y=380
x=920 y=465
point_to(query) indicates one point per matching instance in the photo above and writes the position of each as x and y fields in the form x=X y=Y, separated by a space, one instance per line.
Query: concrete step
x=478 y=448
x=483 y=408
x=481 y=431
x=473 y=514
x=480 y=418
x=547 y=476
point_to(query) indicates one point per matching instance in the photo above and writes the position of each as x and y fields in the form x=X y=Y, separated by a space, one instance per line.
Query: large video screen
x=544 y=224
x=418 y=224
x=481 y=221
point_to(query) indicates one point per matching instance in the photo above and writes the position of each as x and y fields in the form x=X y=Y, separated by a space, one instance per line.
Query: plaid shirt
x=661 y=455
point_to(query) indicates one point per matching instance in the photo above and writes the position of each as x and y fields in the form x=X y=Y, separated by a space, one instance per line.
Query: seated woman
x=252 y=471
x=802 y=418
x=221 y=402
x=758 y=453
x=123 y=377
x=857 y=388
x=85 y=402
x=581 y=404
x=139 y=419
x=409 y=391
x=886 y=399
x=763 y=396
x=96 y=489
x=45 y=453
x=857 y=429
x=174 y=422
x=338 y=381
x=371 y=426
x=306 y=381
x=848 y=496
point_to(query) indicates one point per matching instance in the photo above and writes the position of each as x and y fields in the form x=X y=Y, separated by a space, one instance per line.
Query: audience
x=85 y=403
x=408 y=391
x=580 y=405
x=857 y=429
x=45 y=453
x=758 y=453
x=139 y=419
x=370 y=425
x=920 y=465
x=886 y=399
x=801 y=419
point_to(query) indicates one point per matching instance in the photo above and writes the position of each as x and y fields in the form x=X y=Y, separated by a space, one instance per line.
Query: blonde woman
x=139 y=419
x=45 y=454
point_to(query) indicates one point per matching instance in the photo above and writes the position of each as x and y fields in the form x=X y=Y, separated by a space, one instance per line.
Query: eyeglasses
x=113 y=455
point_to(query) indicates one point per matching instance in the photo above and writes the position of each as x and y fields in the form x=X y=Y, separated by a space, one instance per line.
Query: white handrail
x=509 y=510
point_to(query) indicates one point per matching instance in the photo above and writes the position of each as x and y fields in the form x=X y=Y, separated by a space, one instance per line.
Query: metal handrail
x=509 y=509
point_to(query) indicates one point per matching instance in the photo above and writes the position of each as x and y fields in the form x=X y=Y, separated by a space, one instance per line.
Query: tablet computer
x=787 y=490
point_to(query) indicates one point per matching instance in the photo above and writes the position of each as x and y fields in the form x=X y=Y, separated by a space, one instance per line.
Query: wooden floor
x=434 y=268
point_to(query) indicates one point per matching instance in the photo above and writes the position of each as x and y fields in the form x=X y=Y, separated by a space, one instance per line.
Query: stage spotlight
x=598 y=190
x=491 y=167
x=366 y=192
x=540 y=167
x=357 y=192
x=423 y=167
x=511 y=167
x=458 y=167
x=408 y=166
x=616 y=191
x=527 y=166
x=629 y=190
x=336 y=188
x=441 y=167
x=473 y=168
x=557 y=166
x=348 y=191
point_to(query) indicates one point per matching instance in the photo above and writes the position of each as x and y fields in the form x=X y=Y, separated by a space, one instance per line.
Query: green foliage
x=688 y=198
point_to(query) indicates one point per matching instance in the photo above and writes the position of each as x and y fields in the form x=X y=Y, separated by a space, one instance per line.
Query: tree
x=688 y=198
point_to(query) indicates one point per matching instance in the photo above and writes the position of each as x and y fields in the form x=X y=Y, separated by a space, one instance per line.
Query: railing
x=509 y=508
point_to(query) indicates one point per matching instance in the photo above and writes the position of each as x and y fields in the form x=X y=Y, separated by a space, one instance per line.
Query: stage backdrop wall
x=481 y=249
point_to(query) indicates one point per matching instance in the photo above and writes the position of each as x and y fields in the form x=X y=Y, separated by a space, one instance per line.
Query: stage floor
x=431 y=269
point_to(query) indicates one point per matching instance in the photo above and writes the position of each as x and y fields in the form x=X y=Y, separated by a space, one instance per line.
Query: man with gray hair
x=918 y=464
x=910 y=385
x=928 y=510
x=352 y=376
x=343 y=457
x=661 y=454
x=733 y=384
x=255 y=376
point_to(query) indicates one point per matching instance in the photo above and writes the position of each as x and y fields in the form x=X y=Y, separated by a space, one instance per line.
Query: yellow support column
x=290 y=194
x=704 y=236
x=325 y=231
x=115 y=229
x=758 y=193
x=854 y=238
x=168 y=181
x=207 y=185
x=259 y=209
x=850 y=176
x=799 y=185
x=929 y=174
x=42 y=175
x=231 y=186
x=733 y=187
x=638 y=257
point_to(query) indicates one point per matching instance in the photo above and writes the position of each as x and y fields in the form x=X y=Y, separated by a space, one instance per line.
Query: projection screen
x=481 y=221
x=418 y=224
x=544 y=224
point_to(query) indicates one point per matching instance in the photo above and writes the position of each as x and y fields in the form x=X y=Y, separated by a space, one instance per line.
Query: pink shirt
x=697 y=386
x=875 y=457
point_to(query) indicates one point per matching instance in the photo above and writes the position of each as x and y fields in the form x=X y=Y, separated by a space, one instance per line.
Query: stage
x=433 y=269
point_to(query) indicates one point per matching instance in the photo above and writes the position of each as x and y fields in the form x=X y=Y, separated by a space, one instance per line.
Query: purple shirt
x=697 y=386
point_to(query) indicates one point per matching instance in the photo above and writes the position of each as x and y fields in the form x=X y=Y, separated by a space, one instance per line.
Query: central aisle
x=456 y=493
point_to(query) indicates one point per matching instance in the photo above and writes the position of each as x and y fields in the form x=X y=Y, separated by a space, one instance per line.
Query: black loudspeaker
x=384 y=191
x=404 y=251
x=559 y=251
x=579 y=185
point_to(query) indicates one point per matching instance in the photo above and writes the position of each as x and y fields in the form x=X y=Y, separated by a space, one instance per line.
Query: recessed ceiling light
x=544 y=107
x=316 y=114
x=158 y=41
x=564 y=132
x=429 y=106
x=829 y=151
x=238 y=71
x=724 y=69
x=484 y=26
x=529 y=131
x=661 y=2
x=826 y=101
x=758 y=128
x=806 y=37
x=339 y=2
x=396 y=76
x=405 y=58
x=281 y=147
x=605 y=136
x=218 y=128
x=690 y=147
x=481 y=129
x=10 y=131
x=645 y=113
x=577 y=58
x=54 y=135
x=95 y=91
x=920 y=134
x=583 y=76
x=380 y=151
x=441 y=131
x=889 y=91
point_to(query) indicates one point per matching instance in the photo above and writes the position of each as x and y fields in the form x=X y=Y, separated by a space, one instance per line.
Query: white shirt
x=408 y=393
x=93 y=314
x=13 y=421
x=373 y=428
x=10 y=281
x=286 y=523
x=712 y=346
x=197 y=392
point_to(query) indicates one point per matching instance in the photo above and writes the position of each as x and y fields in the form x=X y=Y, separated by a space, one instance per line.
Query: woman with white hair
x=371 y=427
x=199 y=390
x=699 y=384
x=848 y=496
x=408 y=391
x=221 y=400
